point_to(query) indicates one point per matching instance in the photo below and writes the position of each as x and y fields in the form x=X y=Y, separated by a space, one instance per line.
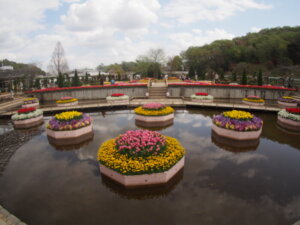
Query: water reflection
x=218 y=187
x=71 y=143
x=143 y=192
x=158 y=126
x=234 y=145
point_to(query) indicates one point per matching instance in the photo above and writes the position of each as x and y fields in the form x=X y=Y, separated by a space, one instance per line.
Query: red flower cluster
x=231 y=85
x=293 y=110
x=201 y=93
x=86 y=87
x=26 y=110
x=117 y=95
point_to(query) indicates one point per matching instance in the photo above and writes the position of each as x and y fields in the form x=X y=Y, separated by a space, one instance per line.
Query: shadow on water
x=71 y=143
x=143 y=193
x=234 y=145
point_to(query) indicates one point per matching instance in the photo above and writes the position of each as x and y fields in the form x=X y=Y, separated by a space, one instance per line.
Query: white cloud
x=189 y=11
x=255 y=29
x=196 y=37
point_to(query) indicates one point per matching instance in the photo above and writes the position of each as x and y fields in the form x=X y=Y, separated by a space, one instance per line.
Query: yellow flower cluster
x=29 y=99
x=287 y=97
x=68 y=115
x=109 y=156
x=239 y=115
x=260 y=100
x=160 y=112
x=67 y=100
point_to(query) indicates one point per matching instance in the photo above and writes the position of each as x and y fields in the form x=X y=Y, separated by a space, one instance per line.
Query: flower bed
x=69 y=125
x=253 y=100
x=202 y=97
x=154 y=113
x=27 y=117
x=118 y=98
x=67 y=101
x=289 y=118
x=286 y=101
x=30 y=102
x=238 y=125
x=141 y=157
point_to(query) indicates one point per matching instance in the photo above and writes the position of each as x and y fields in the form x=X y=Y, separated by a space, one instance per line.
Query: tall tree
x=260 y=78
x=191 y=72
x=75 y=81
x=37 y=83
x=244 y=78
x=60 y=80
x=58 y=63
x=233 y=76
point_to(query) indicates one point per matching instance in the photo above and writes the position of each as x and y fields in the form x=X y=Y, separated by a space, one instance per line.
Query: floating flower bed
x=30 y=102
x=253 y=100
x=27 y=117
x=289 y=118
x=141 y=158
x=69 y=125
x=67 y=101
x=286 y=101
x=202 y=97
x=238 y=125
x=118 y=98
x=154 y=113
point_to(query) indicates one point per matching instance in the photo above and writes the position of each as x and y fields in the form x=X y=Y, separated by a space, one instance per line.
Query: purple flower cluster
x=74 y=124
x=287 y=100
x=238 y=125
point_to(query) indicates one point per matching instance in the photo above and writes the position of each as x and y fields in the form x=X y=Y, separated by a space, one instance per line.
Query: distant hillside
x=275 y=51
x=23 y=68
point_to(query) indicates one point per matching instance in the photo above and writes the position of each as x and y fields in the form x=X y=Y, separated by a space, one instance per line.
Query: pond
x=220 y=184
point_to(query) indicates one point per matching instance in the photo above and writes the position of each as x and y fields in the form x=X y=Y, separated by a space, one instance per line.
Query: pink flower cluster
x=136 y=143
x=153 y=106
x=66 y=98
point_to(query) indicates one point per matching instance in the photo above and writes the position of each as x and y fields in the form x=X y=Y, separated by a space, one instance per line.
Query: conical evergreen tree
x=260 y=78
x=233 y=76
x=191 y=72
x=60 y=80
x=244 y=78
x=75 y=81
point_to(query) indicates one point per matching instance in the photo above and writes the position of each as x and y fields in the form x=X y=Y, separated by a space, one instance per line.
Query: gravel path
x=11 y=141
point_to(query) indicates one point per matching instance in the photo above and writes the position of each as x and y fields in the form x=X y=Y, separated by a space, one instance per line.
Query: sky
x=111 y=31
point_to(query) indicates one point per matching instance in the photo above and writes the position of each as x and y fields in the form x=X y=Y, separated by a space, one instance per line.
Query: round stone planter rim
x=69 y=133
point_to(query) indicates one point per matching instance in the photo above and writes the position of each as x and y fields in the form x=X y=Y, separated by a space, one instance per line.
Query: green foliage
x=191 y=72
x=37 y=84
x=60 y=80
x=267 y=49
x=75 y=81
x=244 y=78
x=22 y=67
x=260 y=78
x=233 y=76
x=154 y=70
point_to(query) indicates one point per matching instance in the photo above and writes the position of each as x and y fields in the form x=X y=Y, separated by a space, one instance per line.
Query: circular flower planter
x=67 y=101
x=237 y=125
x=289 y=120
x=154 y=125
x=30 y=102
x=154 y=114
x=287 y=102
x=69 y=128
x=202 y=97
x=27 y=117
x=118 y=98
x=134 y=164
x=253 y=100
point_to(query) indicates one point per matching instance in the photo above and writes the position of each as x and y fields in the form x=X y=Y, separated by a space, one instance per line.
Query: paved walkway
x=176 y=102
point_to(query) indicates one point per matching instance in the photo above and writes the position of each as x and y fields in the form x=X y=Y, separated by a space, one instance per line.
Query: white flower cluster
x=283 y=113
x=24 y=116
x=202 y=97
x=111 y=98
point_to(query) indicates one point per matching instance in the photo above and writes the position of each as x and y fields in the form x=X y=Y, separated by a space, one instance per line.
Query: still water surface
x=220 y=184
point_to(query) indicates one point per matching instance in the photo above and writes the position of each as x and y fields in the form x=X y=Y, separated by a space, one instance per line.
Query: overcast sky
x=109 y=31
